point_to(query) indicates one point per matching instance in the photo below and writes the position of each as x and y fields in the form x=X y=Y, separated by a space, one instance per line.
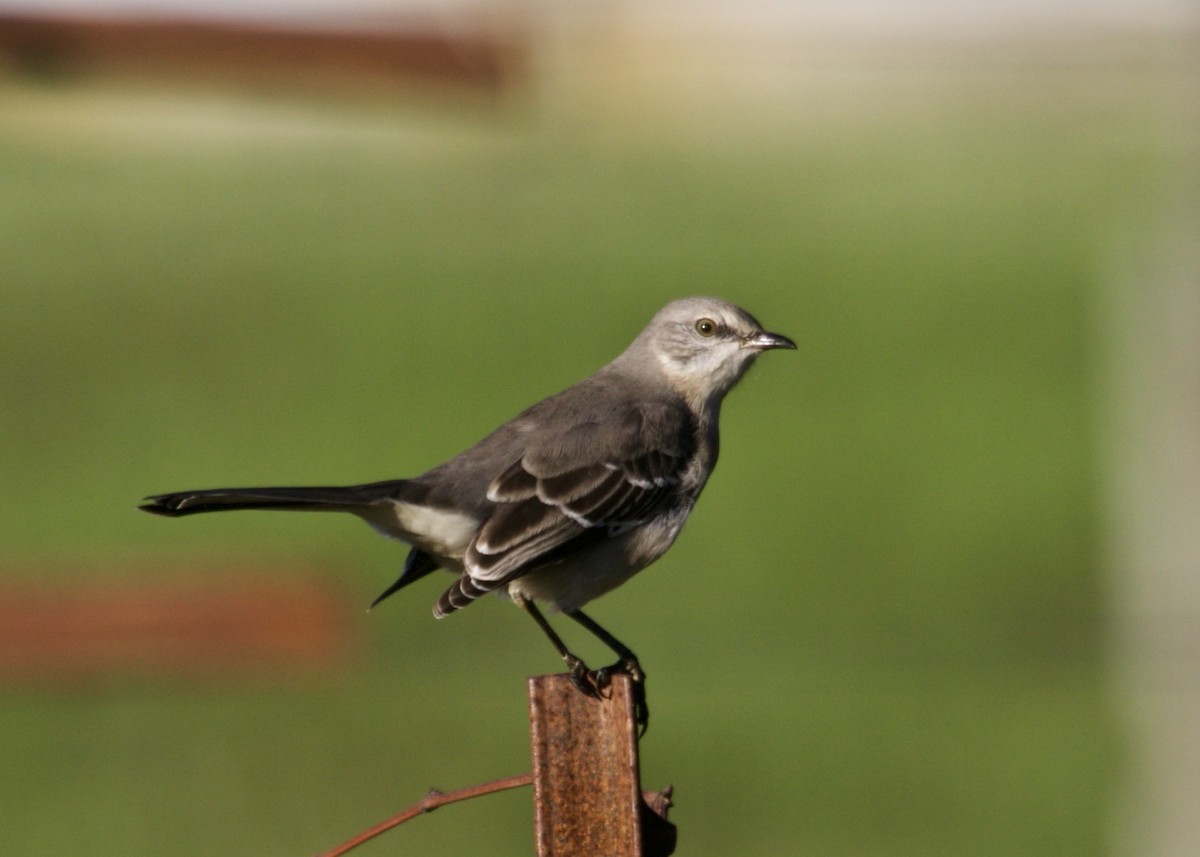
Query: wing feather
x=548 y=499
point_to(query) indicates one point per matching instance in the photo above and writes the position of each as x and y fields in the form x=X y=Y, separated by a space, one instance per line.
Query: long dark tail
x=226 y=499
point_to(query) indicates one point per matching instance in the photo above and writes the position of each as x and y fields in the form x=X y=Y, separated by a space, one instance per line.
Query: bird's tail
x=225 y=499
x=461 y=593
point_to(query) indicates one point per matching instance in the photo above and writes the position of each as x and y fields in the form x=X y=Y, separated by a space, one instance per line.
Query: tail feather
x=182 y=503
x=462 y=592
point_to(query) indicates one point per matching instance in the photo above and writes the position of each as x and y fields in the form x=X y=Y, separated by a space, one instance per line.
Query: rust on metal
x=586 y=784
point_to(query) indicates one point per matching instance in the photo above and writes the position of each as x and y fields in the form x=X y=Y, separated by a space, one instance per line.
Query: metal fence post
x=586 y=785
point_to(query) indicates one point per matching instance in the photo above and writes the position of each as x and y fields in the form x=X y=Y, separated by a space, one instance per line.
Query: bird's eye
x=706 y=327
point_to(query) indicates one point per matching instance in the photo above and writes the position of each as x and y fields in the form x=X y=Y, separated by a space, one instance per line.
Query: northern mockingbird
x=571 y=497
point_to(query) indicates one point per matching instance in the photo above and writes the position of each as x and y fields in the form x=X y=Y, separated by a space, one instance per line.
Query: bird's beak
x=766 y=341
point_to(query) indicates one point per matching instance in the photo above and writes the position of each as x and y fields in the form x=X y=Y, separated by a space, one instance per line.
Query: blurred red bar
x=268 y=624
x=52 y=45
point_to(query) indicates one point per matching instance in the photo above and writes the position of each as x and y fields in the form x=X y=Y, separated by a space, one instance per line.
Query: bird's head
x=704 y=345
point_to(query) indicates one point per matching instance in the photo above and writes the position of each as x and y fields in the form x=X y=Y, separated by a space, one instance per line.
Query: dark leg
x=583 y=678
x=627 y=663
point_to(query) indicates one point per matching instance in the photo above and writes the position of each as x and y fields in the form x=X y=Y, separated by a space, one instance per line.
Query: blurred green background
x=884 y=629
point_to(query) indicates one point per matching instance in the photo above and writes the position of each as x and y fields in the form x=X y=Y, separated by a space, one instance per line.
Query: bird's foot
x=594 y=683
x=625 y=666
x=585 y=680
x=628 y=665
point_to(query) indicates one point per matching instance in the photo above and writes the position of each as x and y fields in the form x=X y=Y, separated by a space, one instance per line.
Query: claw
x=641 y=709
x=628 y=666
x=601 y=678
x=583 y=678
x=633 y=669
x=593 y=683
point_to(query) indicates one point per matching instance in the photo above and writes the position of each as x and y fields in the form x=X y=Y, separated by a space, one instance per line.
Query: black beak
x=766 y=341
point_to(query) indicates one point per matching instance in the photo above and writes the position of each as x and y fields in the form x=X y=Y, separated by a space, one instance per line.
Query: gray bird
x=571 y=497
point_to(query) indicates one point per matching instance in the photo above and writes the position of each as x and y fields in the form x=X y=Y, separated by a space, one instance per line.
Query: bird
x=568 y=499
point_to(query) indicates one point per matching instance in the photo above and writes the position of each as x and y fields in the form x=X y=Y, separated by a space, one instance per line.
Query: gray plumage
x=572 y=496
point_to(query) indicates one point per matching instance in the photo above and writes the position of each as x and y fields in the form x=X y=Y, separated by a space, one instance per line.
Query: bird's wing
x=594 y=479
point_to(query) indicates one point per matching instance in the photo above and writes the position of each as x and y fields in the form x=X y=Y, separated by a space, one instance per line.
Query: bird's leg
x=627 y=663
x=583 y=678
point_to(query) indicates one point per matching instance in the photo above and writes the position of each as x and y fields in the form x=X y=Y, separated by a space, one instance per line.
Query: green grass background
x=883 y=629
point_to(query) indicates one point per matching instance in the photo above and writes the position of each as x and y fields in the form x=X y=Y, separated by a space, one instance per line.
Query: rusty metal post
x=586 y=785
